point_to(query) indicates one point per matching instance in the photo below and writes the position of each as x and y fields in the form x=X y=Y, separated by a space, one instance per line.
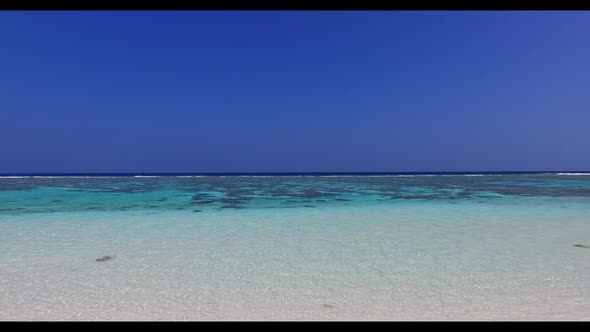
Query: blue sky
x=294 y=91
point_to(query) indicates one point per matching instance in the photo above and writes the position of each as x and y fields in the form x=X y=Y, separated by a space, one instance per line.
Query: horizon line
x=289 y=173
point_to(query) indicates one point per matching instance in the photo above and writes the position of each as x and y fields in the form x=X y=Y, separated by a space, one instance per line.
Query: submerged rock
x=581 y=246
x=104 y=258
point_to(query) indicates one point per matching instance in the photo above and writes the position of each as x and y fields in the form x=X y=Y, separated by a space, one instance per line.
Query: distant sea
x=295 y=246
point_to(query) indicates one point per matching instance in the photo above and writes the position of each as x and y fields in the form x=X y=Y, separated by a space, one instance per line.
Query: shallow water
x=497 y=247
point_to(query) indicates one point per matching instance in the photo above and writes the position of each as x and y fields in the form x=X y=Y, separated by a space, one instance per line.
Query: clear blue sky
x=294 y=91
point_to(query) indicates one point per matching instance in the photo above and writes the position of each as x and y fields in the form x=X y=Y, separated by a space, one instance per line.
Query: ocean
x=316 y=246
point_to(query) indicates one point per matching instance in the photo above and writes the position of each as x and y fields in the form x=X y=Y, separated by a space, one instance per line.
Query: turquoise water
x=399 y=247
